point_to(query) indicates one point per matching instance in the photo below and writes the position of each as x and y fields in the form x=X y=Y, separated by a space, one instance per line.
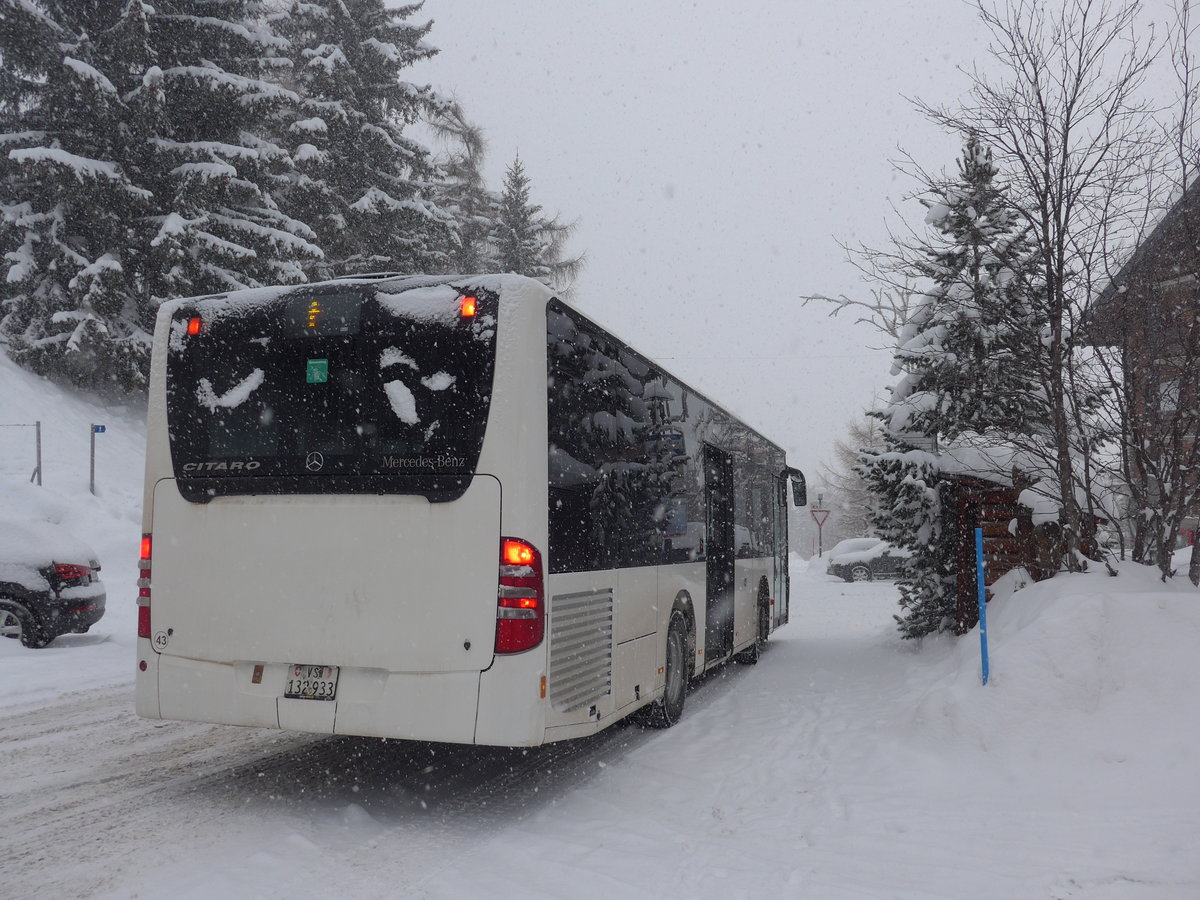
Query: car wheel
x=18 y=622
x=10 y=625
x=860 y=573
x=667 y=711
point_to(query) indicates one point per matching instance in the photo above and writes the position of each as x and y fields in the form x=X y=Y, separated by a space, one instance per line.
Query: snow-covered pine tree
x=968 y=364
x=462 y=191
x=518 y=238
x=527 y=242
x=71 y=204
x=968 y=353
x=214 y=168
x=911 y=513
x=364 y=184
x=137 y=166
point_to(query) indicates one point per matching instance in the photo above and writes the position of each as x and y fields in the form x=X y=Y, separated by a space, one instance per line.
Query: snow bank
x=109 y=523
x=851 y=764
x=1094 y=669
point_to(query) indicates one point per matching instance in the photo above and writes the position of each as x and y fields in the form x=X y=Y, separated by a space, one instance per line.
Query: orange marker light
x=195 y=325
x=468 y=306
x=518 y=554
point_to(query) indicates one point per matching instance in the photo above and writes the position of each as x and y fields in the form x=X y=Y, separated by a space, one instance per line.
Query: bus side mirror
x=799 y=488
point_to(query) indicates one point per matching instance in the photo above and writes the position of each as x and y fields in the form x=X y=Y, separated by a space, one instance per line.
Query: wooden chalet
x=1011 y=540
x=1149 y=313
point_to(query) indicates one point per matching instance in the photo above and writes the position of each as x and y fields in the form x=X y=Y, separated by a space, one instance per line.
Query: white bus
x=446 y=509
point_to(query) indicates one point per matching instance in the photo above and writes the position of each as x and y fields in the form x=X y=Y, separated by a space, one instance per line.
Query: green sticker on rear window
x=317 y=371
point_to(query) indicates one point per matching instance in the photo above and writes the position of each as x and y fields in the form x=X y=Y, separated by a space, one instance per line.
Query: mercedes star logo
x=314 y=461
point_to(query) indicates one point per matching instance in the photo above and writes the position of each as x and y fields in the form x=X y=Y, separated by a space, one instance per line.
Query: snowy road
x=94 y=797
x=97 y=802
x=847 y=764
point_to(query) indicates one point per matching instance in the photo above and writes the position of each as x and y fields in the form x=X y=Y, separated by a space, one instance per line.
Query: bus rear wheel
x=752 y=654
x=667 y=711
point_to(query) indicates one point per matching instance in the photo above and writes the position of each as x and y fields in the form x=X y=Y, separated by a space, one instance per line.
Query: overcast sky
x=715 y=154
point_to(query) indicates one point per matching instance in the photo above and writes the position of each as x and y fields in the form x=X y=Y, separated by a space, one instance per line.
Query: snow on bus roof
x=422 y=294
x=220 y=305
x=437 y=303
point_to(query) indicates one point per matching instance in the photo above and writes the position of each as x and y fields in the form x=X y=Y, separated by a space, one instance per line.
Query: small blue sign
x=98 y=429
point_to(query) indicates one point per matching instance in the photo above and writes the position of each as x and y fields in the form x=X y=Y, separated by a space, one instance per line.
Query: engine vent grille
x=580 y=649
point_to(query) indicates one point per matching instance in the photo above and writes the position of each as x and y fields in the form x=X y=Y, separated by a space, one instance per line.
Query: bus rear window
x=335 y=390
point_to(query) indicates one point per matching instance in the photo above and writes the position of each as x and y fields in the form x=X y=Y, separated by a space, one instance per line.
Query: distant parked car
x=49 y=582
x=865 y=559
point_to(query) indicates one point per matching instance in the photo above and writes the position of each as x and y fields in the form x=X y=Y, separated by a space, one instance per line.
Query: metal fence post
x=36 y=474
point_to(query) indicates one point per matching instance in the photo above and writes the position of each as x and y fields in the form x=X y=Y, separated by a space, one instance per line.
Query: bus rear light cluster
x=520 y=604
x=143 y=584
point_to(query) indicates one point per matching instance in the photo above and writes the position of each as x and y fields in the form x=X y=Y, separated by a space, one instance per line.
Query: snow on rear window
x=393 y=356
x=403 y=403
x=234 y=397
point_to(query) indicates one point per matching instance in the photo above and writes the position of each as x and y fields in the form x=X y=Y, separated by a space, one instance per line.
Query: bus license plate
x=311 y=682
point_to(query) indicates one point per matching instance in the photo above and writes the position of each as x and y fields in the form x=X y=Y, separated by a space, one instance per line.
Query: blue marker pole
x=982 y=601
x=96 y=429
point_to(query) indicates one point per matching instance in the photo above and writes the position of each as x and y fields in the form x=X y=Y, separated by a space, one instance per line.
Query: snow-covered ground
x=847 y=764
x=110 y=522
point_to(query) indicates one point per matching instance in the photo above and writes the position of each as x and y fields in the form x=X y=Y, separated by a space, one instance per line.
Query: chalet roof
x=1189 y=203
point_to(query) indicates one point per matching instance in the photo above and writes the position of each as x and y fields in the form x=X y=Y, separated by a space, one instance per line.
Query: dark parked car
x=865 y=559
x=49 y=582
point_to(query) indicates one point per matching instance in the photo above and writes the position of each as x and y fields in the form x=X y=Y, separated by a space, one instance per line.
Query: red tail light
x=195 y=325
x=521 y=605
x=143 y=584
x=71 y=572
x=469 y=306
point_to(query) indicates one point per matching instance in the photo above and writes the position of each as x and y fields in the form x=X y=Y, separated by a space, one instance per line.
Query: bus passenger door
x=718 y=497
x=779 y=590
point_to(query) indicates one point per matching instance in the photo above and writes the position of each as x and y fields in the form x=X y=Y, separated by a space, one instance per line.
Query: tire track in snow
x=87 y=780
x=89 y=787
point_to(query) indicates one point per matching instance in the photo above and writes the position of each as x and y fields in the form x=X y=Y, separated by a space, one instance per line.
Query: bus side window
x=571 y=549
